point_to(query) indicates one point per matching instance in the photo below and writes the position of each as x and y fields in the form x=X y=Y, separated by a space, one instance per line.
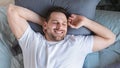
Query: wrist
x=85 y=21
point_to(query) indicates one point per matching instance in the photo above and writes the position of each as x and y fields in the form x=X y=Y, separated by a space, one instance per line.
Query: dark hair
x=56 y=9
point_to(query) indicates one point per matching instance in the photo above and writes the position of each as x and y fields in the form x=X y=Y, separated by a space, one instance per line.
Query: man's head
x=55 y=27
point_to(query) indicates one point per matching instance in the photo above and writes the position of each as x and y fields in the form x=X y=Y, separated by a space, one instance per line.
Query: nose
x=59 y=26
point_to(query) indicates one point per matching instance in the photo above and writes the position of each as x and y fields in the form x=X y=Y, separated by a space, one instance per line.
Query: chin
x=59 y=38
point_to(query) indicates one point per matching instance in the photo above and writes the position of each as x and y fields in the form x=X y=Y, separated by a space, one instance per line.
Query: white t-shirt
x=68 y=53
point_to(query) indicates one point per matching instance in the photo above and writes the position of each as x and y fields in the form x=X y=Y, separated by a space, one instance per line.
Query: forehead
x=58 y=15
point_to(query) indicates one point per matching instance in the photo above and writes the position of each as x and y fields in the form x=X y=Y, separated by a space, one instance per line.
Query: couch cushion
x=82 y=7
x=110 y=55
x=6 y=39
x=5 y=31
x=5 y=55
x=109 y=19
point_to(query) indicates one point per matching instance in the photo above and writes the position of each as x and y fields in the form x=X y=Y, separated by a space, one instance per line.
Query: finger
x=71 y=18
x=72 y=15
x=69 y=21
x=74 y=25
x=71 y=25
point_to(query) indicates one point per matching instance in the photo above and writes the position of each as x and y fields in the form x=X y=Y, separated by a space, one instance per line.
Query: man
x=56 y=49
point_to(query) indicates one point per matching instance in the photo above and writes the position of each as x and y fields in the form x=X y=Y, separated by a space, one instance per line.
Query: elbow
x=112 y=39
x=10 y=9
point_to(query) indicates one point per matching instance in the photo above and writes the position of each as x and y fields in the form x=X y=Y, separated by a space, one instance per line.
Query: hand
x=42 y=21
x=76 y=21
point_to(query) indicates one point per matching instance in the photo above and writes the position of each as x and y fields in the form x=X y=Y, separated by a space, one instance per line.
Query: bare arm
x=17 y=18
x=103 y=38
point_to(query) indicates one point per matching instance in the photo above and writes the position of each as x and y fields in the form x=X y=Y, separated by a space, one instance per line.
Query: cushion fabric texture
x=82 y=7
x=109 y=19
x=103 y=58
x=6 y=40
x=110 y=55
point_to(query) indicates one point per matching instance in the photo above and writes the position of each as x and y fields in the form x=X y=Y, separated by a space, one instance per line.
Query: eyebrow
x=63 y=21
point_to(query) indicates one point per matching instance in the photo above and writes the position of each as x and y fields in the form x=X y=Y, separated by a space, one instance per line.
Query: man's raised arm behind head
x=18 y=17
x=103 y=38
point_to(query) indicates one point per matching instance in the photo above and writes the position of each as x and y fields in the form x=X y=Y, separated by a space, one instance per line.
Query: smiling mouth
x=58 y=31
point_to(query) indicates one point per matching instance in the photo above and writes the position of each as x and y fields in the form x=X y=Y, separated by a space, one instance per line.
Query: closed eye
x=54 y=22
x=64 y=24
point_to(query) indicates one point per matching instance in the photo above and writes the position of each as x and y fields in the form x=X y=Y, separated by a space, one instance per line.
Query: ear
x=45 y=25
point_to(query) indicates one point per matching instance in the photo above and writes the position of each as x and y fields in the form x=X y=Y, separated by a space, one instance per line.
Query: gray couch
x=110 y=55
x=100 y=59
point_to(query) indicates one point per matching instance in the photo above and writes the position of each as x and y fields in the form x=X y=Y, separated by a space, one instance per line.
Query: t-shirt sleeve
x=86 y=43
x=29 y=38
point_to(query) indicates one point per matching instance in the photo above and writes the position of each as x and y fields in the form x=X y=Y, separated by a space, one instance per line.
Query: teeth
x=59 y=32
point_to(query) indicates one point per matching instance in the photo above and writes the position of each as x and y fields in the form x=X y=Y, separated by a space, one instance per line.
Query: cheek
x=50 y=28
x=65 y=27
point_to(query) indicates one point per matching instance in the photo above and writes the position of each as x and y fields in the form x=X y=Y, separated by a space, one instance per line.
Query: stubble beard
x=56 y=38
x=51 y=36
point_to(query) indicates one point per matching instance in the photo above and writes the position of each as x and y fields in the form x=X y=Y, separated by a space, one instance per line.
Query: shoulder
x=30 y=34
x=79 y=37
x=81 y=41
x=30 y=38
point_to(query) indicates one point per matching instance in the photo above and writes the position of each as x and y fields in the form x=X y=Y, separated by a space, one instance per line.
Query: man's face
x=56 y=27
